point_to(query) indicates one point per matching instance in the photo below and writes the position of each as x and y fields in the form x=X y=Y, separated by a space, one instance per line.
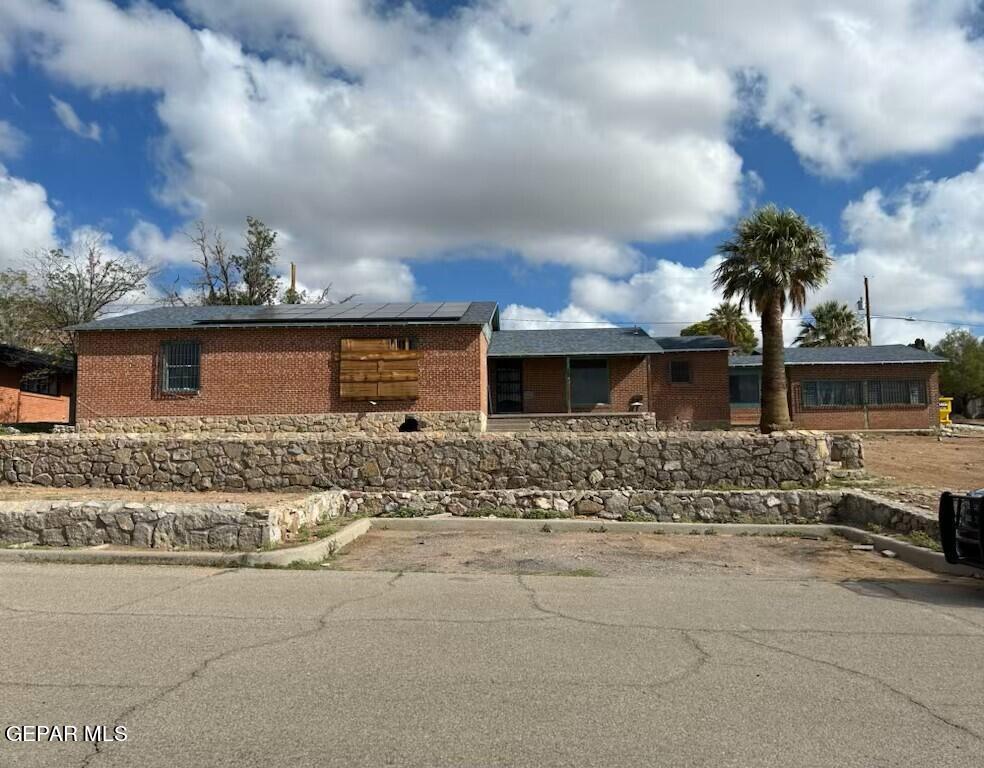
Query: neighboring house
x=881 y=387
x=398 y=358
x=34 y=387
x=680 y=379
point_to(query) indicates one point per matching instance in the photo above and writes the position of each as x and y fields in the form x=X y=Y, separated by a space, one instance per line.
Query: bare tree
x=63 y=287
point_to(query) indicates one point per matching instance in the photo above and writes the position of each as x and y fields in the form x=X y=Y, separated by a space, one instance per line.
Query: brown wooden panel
x=357 y=391
x=374 y=376
x=394 y=355
x=397 y=390
x=398 y=365
x=368 y=345
x=355 y=366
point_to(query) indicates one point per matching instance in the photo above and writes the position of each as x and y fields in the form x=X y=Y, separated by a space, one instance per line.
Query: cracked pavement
x=298 y=668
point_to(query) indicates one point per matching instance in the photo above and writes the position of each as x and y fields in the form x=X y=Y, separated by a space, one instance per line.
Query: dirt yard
x=915 y=468
x=617 y=554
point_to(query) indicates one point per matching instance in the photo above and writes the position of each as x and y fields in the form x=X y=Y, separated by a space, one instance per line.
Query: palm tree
x=772 y=260
x=728 y=321
x=833 y=324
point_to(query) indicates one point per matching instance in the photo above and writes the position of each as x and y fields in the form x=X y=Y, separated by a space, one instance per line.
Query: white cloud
x=923 y=250
x=370 y=137
x=27 y=222
x=12 y=140
x=69 y=118
x=664 y=298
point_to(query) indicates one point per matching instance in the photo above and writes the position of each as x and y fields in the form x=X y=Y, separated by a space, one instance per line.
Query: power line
x=692 y=322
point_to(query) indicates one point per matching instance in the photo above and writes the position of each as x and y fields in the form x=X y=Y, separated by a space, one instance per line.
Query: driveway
x=294 y=668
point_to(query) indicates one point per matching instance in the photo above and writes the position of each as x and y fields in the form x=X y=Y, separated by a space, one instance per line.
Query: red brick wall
x=26 y=407
x=34 y=407
x=9 y=394
x=879 y=416
x=483 y=348
x=269 y=371
x=544 y=385
x=704 y=401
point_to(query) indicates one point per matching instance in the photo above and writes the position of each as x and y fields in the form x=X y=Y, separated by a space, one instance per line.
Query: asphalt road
x=288 y=668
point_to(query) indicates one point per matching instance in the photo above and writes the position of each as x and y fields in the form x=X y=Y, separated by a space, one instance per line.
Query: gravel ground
x=617 y=554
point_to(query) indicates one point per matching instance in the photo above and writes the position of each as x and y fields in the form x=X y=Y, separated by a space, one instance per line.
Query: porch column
x=567 y=383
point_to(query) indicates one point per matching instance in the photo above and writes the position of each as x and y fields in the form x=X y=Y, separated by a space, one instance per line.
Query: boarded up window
x=378 y=369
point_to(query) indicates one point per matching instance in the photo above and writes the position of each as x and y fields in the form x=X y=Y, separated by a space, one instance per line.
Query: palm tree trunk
x=775 y=406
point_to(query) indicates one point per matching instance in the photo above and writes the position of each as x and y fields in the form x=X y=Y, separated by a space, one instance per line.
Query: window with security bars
x=834 y=394
x=180 y=366
x=897 y=392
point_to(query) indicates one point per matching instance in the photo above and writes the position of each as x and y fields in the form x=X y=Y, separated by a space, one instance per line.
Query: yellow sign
x=946 y=408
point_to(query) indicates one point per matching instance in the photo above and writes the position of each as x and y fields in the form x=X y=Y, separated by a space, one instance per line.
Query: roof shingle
x=876 y=355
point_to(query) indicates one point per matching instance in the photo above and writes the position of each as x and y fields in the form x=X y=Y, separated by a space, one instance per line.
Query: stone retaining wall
x=237 y=526
x=160 y=526
x=865 y=510
x=419 y=462
x=661 y=506
x=364 y=423
x=847 y=450
x=643 y=422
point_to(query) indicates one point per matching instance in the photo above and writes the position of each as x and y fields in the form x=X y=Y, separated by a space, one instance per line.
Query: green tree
x=962 y=375
x=236 y=278
x=831 y=324
x=256 y=264
x=728 y=321
x=773 y=259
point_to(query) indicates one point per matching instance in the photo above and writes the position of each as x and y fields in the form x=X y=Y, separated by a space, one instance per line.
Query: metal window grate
x=180 y=366
x=832 y=394
x=680 y=372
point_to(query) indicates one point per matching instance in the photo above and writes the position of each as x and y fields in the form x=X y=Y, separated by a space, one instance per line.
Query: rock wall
x=654 y=461
x=865 y=510
x=847 y=450
x=159 y=526
x=643 y=422
x=378 y=423
x=660 y=506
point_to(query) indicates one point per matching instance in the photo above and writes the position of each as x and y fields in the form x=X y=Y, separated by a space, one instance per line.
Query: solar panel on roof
x=330 y=311
x=450 y=310
x=420 y=310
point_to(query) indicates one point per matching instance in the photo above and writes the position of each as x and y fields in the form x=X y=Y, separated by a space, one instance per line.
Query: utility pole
x=293 y=282
x=867 y=308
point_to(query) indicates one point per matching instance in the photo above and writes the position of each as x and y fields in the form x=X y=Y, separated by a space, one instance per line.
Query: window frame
x=164 y=374
x=690 y=372
x=864 y=389
x=50 y=379
x=572 y=363
x=757 y=402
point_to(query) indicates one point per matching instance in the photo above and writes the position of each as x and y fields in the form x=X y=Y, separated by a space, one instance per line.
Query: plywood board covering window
x=378 y=369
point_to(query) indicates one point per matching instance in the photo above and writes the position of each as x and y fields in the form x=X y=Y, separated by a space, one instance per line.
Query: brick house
x=842 y=388
x=679 y=379
x=34 y=387
x=437 y=365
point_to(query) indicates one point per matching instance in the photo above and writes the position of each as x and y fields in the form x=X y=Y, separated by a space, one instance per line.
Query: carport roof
x=877 y=355
x=574 y=342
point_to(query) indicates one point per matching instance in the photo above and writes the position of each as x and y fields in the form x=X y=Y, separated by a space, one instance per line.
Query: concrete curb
x=314 y=552
x=919 y=557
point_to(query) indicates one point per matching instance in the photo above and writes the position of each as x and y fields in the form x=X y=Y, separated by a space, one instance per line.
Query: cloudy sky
x=574 y=160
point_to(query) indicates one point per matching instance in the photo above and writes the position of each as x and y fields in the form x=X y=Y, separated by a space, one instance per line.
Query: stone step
x=517 y=424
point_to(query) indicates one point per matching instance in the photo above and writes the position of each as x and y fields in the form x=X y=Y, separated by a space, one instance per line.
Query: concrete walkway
x=293 y=668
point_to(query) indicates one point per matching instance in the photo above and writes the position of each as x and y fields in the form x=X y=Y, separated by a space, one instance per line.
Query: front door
x=509 y=386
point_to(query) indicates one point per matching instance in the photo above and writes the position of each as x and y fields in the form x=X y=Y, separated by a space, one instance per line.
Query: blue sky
x=576 y=163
